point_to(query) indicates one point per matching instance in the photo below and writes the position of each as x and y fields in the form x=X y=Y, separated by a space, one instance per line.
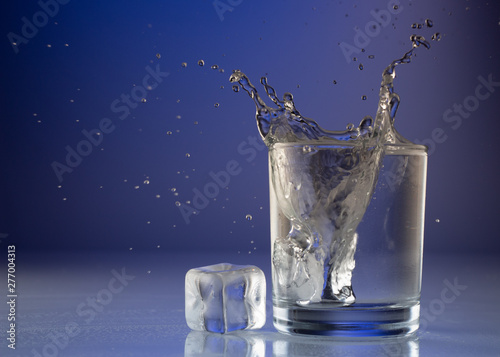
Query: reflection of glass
x=378 y=251
x=319 y=346
x=244 y=344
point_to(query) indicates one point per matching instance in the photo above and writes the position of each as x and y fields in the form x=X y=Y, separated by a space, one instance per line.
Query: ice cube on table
x=225 y=297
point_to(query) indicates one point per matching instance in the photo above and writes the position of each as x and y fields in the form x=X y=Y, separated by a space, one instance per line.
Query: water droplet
x=178 y=117
x=236 y=88
x=173 y=189
x=350 y=126
x=395 y=7
x=221 y=87
x=143 y=100
x=436 y=36
x=157 y=246
x=158 y=55
x=360 y=67
x=146 y=182
x=437 y=220
x=149 y=271
x=216 y=105
x=429 y=23
x=221 y=70
x=201 y=63
x=169 y=132
x=334 y=81
x=354 y=58
x=414 y=26
x=248 y=217
x=371 y=56
x=177 y=203
x=184 y=64
x=195 y=123
x=214 y=66
x=188 y=154
x=157 y=196
x=136 y=187
x=363 y=97
x=130 y=248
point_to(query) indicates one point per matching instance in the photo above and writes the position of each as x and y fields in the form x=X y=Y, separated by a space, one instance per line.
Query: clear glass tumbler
x=382 y=252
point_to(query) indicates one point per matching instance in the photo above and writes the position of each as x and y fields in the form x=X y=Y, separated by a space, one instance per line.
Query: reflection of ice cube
x=225 y=297
x=203 y=344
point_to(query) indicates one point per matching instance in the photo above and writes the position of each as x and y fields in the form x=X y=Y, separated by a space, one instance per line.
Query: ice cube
x=225 y=297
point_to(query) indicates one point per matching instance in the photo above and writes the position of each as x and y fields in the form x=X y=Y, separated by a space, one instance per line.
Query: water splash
x=323 y=181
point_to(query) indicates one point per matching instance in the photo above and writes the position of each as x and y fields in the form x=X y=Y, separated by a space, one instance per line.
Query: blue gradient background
x=295 y=44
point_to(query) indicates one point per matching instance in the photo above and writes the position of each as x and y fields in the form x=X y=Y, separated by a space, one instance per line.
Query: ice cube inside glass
x=225 y=297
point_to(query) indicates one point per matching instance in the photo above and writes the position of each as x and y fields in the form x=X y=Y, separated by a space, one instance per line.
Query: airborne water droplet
x=158 y=55
x=169 y=132
x=143 y=100
x=248 y=217
x=188 y=154
x=363 y=97
x=236 y=88
x=429 y=23
x=201 y=63
x=436 y=36
x=360 y=67
x=146 y=182
x=371 y=56
x=216 y=105
x=334 y=81
x=184 y=64
x=177 y=203
x=214 y=66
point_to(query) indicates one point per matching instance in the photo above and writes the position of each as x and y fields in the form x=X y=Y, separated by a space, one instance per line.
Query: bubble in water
x=177 y=203
x=360 y=67
x=429 y=23
x=184 y=64
x=216 y=105
x=436 y=36
x=201 y=63
x=214 y=66
x=248 y=217
x=307 y=149
x=158 y=56
x=236 y=88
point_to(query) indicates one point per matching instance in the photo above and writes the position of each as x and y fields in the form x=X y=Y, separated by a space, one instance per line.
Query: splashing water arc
x=323 y=181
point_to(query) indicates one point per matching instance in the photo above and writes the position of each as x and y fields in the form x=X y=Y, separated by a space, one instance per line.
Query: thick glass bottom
x=359 y=320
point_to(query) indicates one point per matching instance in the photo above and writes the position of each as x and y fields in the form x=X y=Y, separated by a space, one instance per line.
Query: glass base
x=359 y=320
